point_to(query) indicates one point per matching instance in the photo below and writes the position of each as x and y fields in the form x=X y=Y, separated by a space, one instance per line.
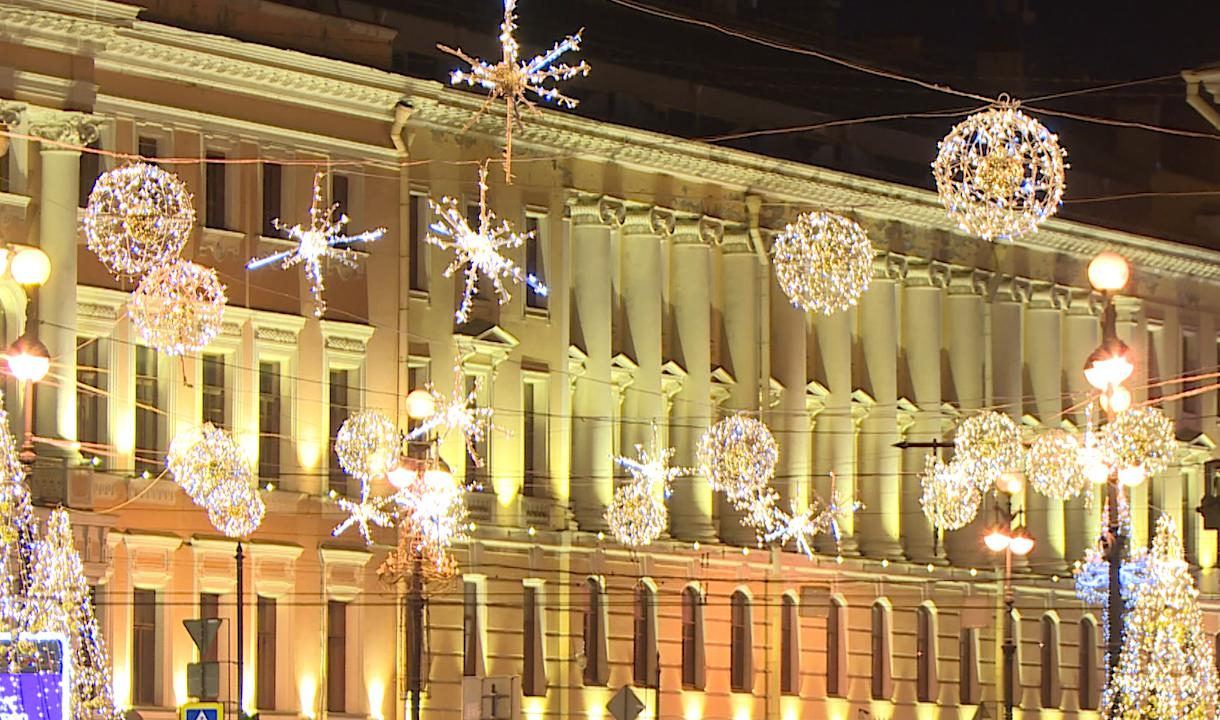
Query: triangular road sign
x=982 y=713
x=625 y=705
x=203 y=632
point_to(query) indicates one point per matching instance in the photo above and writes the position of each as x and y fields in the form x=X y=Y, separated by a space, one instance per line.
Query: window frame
x=1088 y=688
x=790 y=645
x=533 y=639
x=538 y=246
x=836 y=648
x=741 y=642
x=596 y=671
x=145 y=647
x=336 y=656
x=694 y=670
x=1050 y=690
x=645 y=648
x=266 y=638
x=927 y=684
x=882 y=653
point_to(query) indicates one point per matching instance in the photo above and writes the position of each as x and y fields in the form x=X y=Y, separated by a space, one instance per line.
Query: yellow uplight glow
x=376 y=690
x=307 y=690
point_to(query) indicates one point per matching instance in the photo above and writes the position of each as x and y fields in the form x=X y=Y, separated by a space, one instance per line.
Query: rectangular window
x=266 y=654
x=149 y=414
x=273 y=198
x=535 y=259
x=6 y=181
x=418 y=230
x=533 y=671
x=270 y=409
x=90 y=168
x=147 y=147
x=336 y=656
x=597 y=670
x=214 y=192
x=90 y=392
x=476 y=472
x=535 y=440
x=144 y=671
x=472 y=635
x=214 y=400
x=340 y=409
x=741 y=645
x=790 y=652
x=209 y=608
x=339 y=185
x=1191 y=405
x=968 y=671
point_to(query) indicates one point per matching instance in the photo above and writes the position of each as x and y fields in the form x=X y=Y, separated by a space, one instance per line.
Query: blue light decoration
x=35 y=676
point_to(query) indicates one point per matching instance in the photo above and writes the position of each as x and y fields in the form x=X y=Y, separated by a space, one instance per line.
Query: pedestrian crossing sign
x=202 y=711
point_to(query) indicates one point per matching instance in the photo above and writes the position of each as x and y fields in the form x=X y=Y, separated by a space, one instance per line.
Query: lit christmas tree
x=1166 y=669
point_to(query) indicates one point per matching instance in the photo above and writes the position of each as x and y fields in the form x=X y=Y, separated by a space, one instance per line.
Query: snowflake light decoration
x=178 y=307
x=1055 y=468
x=800 y=527
x=458 y=412
x=138 y=218
x=823 y=262
x=1092 y=576
x=999 y=173
x=512 y=78
x=434 y=505
x=988 y=445
x=950 y=498
x=361 y=513
x=650 y=469
x=479 y=250
x=324 y=239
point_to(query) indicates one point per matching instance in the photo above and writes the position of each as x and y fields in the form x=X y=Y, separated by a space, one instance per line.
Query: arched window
x=1015 y=676
x=836 y=648
x=968 y=690
x=882 y=671
x=926 y=684
x=1087 y=685
x=1050 y=692
x=693 y=671
x=1216 y=651
x=644 y=673
x=742 y=641
x=596 y=671
x=790 y=647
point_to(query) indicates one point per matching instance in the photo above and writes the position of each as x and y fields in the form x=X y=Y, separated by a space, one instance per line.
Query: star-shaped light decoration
x=802 y=526
x=512 y=78
x=478 y=250
x=458 y=412
x=323 y=239
x=650 y=468
x=363 y=512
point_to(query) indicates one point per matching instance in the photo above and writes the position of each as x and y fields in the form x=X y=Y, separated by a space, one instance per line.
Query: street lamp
x=28 y=358
x=1011 y=542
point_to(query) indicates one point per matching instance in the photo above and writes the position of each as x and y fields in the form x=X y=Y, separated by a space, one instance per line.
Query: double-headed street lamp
x=1010 y=541
x=28 y=358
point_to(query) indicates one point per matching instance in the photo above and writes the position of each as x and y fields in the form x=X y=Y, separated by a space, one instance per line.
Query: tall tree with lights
x=1166 y=669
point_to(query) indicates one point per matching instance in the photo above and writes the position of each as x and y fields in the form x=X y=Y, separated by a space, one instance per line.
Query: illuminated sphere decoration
x=178 y=307
x=737 y=456
x=1055 y=469
x=202 y=458
x=367 y=445
x=636 y=516
x=1141 y=438
x=138 y=218
x=988 y=445
x=950 y=498
x=235 y=508
x=999 y=173
x=823 y=262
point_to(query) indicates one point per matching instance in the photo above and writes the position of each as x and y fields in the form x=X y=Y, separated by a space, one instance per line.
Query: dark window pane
x=148 y=411
x=273 y=192
x=535 y=262
x=336 y=656
x=269 y=420
x=214 y=189
x=340 y=410
x=144 y=647
x=148 y=147
x=339 y=194
x=214 y=389
x=266 y=653
x=90 y=168
x=90 y=388
x=209 y=607
x=417 y=231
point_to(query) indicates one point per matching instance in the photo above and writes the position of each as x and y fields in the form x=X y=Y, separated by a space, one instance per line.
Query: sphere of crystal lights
x=737 y=456
x=367 y=445
x=823 y=262
x=636 y=517
x=178 y=307
x=1054 y=465
x=235 y=508
x=1139 y=438
x=999 y=173
x=988 y=445
x=201 y=458
x=1109 y=272
x=950 y=498
x=138 y=218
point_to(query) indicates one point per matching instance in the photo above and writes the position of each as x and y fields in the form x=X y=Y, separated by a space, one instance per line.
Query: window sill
x=221 y=244
x=416 y=294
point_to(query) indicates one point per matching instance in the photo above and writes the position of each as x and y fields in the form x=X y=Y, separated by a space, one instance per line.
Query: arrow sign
x=203 y=632
x=625 y=705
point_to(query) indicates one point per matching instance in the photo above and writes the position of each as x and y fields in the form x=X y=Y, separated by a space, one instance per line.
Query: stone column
x=641 y=298
x=1044 y=363
x=740 y=292
x=1133 y=329
x=835 y=427
x=790 y=420
x=880 y=489
x=1008 y=367
x=921 y=330
x=57 y=234
x=1081 y=336
x=964 y=346
x=690 y=509
x=593 y=398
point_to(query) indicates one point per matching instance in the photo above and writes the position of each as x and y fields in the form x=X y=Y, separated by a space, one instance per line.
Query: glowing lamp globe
x=420 y=404
x=1132 y=476
x=1021 y=544
x=28 y=359
x=1109 y=272
x=997 y=540
x=1117 y=400
x=30 y=267
x=1109 y=365
x=1011 y=482
x=1097 y=472
x=401 y=477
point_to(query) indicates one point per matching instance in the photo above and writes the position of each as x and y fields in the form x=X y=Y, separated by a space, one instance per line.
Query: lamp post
x=1106 y=369
x=1010 y=541
x=28 y=358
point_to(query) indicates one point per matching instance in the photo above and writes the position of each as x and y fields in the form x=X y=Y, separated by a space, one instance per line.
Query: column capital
x=644 y=219
x=11 y=113
x=927 y=273
x=698 y=230
x=588 y=209
x=1050 y=296
x=889 y=266
x=970 y=281
x=1013 y=289
x=63 y=128
x=735 y=240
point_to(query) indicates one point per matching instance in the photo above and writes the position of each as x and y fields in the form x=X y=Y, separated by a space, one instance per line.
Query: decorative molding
x=222 y=244
x=712 y=230
x=345 y=344
x=11 y=113
x=274 y=335
x=343 y=572
x=274 y=568
x=62 y=128
x=897 y=266
x=214 y=561
x=150 y=558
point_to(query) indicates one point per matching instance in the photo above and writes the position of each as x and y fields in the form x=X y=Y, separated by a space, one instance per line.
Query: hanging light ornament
x=178 y=307
x=138 y=218
x=999 y=173
x=636 y=516
x=950 y=498
x=802 y=526
x=823 y=262
x=434 y=505
x=211 y=467
x=987 y=446
x=650 y=469
x=324 y=239
x=512 y=78
x=367 y=445
x=363 y=512
x=460 y=412
x=235 y=508
x=737 y=456
x=479 y=250
x=1092 y=576
x=1055 y=468
x=1140 y=441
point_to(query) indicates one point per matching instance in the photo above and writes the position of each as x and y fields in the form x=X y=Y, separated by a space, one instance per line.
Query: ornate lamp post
x=28 y=358
x=1010 y=541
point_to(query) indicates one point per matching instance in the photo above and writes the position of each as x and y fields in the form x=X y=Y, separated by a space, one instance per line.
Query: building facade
x=662 y=311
